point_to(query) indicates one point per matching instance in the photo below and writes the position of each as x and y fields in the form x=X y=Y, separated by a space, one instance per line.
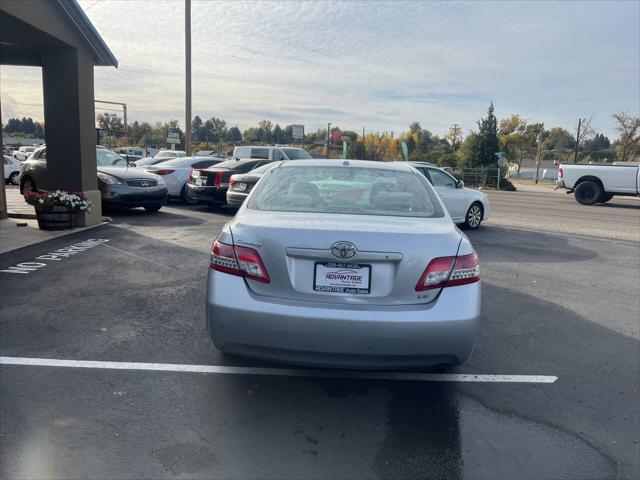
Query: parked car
x=210 y=185
x=209 y=153
x=22 y=153
x=344 y=264
x=241 y=184
x=466 y=206
x=121 y=186
x=176 y=172
x=599 y=183
x=11 y=170
x=161 y=156
x=271 y=153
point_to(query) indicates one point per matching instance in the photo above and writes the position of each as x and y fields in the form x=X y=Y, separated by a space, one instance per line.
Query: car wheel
x=152 y=208
x=605 y=197
x=186 y=199
x=473 y=218
x=14 y=178
x=27 y=186
x=588 y=192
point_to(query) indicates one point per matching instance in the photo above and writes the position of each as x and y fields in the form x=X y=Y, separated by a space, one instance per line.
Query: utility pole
x=456 y=129
x=328 y=137
x=364 y=151
x=575 y=154
x=187 y=51
x=538 y=156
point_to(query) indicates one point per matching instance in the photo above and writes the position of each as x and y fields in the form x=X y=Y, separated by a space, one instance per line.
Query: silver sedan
x=344 y=263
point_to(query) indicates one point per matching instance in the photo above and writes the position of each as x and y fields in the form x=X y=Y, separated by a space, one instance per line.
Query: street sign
x=298 y=132
x=405 y=151
x=502 y=161
x=173 y=136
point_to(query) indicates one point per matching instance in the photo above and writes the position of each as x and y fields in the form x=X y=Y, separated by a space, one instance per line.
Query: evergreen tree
x=488 y=141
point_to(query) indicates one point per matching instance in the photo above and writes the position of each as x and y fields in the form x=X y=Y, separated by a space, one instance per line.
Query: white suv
x=271 y=153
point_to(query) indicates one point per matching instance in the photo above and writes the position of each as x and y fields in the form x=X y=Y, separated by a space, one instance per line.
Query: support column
x=69 y=115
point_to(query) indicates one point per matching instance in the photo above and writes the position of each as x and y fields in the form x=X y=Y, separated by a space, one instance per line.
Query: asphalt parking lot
x=560 y=316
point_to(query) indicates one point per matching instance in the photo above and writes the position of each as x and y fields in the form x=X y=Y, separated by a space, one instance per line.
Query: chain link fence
x=479 y=177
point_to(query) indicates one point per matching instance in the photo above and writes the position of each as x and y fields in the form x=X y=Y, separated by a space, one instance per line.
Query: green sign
x=344 y=150
x=405 y=151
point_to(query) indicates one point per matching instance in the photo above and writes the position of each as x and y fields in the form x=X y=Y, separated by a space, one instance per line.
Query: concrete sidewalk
x=18 y=233
x=16 y=206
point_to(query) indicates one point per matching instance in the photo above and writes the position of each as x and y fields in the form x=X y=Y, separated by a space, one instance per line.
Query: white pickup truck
x=598 y=183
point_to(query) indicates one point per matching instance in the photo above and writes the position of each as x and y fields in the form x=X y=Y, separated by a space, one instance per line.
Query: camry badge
x=343 y=249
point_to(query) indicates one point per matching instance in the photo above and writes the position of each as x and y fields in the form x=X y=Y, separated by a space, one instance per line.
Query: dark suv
x=120 y=185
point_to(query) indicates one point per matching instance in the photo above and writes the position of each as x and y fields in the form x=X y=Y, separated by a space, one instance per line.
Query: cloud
x=374 y=64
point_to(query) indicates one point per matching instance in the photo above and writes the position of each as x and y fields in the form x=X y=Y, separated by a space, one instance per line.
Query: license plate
x=241 y=187
x=199 y=181
x=350 y=278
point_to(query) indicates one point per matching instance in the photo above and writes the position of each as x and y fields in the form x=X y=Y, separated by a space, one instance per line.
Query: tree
x=264 y=131
x=197 y=129
x=110 y=122
x=469 y=151
x=234 y=135
x=598 y=142
x=518 y=138
x=488 y=138
x=628 y=144
x=278 y=134
x=251 y=135
x=583 y=133
x=215 y=129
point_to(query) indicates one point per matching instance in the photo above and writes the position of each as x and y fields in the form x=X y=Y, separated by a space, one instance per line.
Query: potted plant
x=56 y=210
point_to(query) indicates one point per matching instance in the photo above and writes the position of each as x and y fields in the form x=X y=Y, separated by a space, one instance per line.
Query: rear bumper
x=126 y=196
x=342 y=336
x=216 y=195
x=236 y=199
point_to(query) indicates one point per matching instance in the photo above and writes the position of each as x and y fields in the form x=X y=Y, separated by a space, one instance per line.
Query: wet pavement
x=557 y=305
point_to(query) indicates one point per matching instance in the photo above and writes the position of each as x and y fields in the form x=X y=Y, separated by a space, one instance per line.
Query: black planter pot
x=55 y=218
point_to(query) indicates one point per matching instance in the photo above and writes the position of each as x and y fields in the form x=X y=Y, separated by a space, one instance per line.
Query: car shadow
x=617 y=205
x=500 y=244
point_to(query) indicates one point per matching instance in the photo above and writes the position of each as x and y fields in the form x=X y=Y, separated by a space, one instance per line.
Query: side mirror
x=131 y=164
x=459 y=184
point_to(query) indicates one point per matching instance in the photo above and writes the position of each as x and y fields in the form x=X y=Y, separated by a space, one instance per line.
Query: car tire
x=27 y=185
x=186 y=199
x=605 y=197
x=14 y=178
x=152 y=208
x=588 y=192
x=473 y=217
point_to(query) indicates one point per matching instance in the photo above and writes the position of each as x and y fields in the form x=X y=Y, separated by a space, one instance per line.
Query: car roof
x=399 y=166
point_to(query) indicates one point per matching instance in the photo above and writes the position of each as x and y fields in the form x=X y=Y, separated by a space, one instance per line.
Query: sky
x=374 y=64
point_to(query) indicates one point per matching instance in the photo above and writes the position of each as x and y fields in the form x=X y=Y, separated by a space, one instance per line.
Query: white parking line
x=280 y=372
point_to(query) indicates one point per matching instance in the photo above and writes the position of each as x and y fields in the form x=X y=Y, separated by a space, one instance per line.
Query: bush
x=505 y=184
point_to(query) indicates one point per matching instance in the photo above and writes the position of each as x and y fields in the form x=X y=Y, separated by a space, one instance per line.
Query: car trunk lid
x=391 y=255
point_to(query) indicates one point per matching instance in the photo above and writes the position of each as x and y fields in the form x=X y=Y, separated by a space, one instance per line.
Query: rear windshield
x=296 y=153
x=226 y=164
x=351 y=190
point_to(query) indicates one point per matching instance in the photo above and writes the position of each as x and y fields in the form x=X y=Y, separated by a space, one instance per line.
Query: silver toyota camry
x=344 y=263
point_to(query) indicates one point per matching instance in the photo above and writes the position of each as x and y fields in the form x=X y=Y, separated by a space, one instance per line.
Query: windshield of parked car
x=106 y=158
x=351 y=190
x=296 y=153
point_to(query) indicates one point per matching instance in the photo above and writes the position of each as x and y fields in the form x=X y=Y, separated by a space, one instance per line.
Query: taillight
x=560 y=173
x=217 y=180
x=232 y=181
x=241 y=261
x=164 y=171
x=449 y=272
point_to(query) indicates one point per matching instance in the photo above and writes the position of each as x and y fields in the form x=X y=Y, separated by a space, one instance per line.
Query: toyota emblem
x=144 y=183
x=343 y=249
